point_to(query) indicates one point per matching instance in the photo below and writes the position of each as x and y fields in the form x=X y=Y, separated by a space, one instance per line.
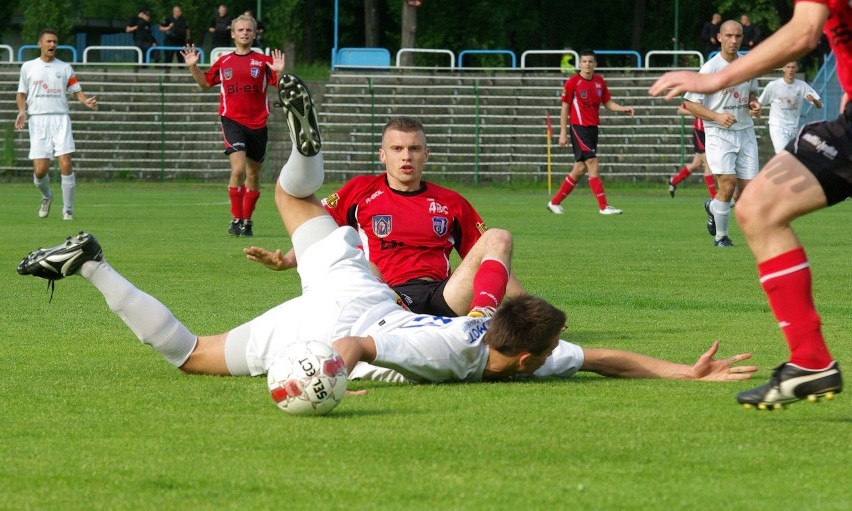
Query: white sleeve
x=810 y=91
x=766 y=95
x=564 y=362
x=22 y=82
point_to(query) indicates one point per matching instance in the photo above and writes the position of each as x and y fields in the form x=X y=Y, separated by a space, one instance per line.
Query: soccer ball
x=308 y=379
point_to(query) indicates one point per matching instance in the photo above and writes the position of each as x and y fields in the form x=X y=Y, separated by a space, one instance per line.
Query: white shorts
x=50 y=135
x=338 y=290
x=732 y=152
x=780 y=137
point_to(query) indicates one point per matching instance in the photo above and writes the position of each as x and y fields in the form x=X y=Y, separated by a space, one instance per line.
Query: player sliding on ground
x=342 y=300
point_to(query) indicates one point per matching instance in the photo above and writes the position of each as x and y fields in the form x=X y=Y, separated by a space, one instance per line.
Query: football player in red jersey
x=582 y=97
x=410 y=227
x=243 y=76
x=813 y=172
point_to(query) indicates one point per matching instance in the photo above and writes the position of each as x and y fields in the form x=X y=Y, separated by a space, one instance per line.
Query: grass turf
x=92 y=419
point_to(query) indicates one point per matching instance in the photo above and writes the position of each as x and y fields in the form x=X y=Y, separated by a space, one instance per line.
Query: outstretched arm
x=191 y=57
x=612 y=106
x=625 y=364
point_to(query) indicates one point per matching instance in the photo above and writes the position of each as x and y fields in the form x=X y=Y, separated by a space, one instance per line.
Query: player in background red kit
x=583 y=94
x=409 y=228
x=243 y=76
x=811 y=173
x=697 y=161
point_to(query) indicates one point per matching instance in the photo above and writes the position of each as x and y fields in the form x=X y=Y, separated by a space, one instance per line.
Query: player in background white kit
x=342 y=300
x=785 y=97
x=42 y=90
x=731 y=148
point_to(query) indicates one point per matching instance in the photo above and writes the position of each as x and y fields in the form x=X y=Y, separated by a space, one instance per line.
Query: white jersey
x=340 y=297
x=46 y=85
x=733 y=100
x=785 y=102
x=430 y=349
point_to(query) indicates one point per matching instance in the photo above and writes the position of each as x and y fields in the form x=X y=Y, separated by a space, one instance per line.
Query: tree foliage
x=307 y=26
x=55 y=14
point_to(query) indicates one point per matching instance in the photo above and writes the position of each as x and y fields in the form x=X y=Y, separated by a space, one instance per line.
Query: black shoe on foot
x=236 y=227
x=246 y=229
x=301 y=116
x=672 y=188
x=791 y=383
x=711 y=220
x=723 y=242
x=62 y=260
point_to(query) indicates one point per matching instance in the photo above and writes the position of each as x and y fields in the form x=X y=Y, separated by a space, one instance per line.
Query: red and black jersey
x=407 y=235
x=244 y=79
x=837 y=29
x=585 y=98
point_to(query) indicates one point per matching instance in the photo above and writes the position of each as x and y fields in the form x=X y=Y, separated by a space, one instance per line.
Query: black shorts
x=425 y=297
x=239 y=138
x=698 y=141
x=584 y=140
x=825 y=148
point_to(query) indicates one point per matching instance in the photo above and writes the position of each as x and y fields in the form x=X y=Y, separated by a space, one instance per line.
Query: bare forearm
x=198 y=76
x=626 y=364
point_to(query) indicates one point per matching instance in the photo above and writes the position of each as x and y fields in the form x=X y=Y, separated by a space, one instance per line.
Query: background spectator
x=751 y=33
x=220 y=27
x=709 y=33
x=140 y=27
x=176 y=33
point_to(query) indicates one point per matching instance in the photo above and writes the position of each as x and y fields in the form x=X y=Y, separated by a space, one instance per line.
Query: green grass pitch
x=92 y=419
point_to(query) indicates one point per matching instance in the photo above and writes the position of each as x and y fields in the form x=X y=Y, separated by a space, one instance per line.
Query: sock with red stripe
x=250 y=202
x=236 y=196
x=567 y=187
x=711 y=184
x=596 y=185
x=489 y=284
x=680 y=176
x=786 y=279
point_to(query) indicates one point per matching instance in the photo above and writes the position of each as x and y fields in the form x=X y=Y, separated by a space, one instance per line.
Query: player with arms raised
x=813 y=172
x=244 y=76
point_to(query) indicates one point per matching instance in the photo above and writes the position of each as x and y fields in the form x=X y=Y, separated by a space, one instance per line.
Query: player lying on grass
x=341 y=300
x=410 y=228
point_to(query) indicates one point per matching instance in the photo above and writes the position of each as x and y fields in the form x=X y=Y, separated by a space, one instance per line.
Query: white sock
x=43 y=186
x=722 y=213
x=310 y=232
x=149 y=319
x=69 y=182
x=302 y=175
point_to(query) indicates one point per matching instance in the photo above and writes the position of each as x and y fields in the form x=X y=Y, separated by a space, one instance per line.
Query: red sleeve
x=606 y=95
x=212 y=74
x=568 y=89
x=471 y=226
x=339 y=203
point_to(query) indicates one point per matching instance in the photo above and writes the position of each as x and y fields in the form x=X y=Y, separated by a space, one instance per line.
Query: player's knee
x=499 y=239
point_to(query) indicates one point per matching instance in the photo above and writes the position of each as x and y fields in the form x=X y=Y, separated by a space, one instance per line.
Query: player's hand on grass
x=709 y=369
x=272 y=260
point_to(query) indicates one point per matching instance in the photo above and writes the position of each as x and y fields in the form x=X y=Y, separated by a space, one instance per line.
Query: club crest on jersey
x=584 y=94
x=255 y=72
x=439 y=225
x=228 y=73
x=382 y=225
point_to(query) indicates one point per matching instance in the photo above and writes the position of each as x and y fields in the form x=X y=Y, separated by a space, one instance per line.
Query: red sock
x=680 y=176
x=566 y=188
x=489 y=284
x=249 y=202
x=236 y=196
x=786 y=279
x=597 y=188
x=711 y=185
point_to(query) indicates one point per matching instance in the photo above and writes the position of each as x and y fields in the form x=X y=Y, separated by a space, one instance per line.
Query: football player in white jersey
x=785 y=97
x=343 y=303
x=42 y=90
x=731 y=148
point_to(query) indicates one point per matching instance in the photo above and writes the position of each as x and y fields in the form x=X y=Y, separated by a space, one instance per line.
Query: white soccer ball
x=308 y=379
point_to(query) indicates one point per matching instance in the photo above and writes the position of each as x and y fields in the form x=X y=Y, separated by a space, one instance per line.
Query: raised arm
x=191 y=56
x=626 y=364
